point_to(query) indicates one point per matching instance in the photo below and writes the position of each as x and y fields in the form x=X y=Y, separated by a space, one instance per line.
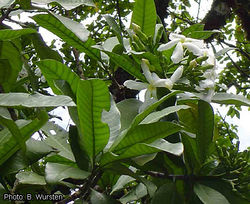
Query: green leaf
x=139 y=118
x=226 y=98
x=67 y=4
x=139 y=149
x=121 y=182
x=36 y=100
x=208 y=195
x=9 y=51
x=144 y=15
x=44 y=51
x=128 y=108
x=147 y=133
x=223 y=51
x=127 y=64
x=92 y=99
x=112 y=118
x=202 y=35
x=58 y=140
x=80 y=155
x=9 y=34
x=68 y=32
x=6 y=3
x=8 y=145
x=167 y=192
x=116 y=28
x=192 y=28
x=155 y=116
x=55 y=173
x=30 y=178
x=204 y=135
x=99 y=198
x=54 y=70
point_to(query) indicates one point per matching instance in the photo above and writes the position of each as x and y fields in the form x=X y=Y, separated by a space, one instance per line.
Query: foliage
x=170 y=148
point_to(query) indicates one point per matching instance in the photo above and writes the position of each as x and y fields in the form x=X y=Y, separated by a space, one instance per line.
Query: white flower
x=211 y=58
x=153 y=81
x=181 y=42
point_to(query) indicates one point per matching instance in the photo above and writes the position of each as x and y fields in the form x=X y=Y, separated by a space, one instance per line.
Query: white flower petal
x=146 y=71
x=177 y=55
x=173 y=36
x=155 y=77
x=198 y=43
x=177 y=74
x=168 y=45
x=135 y=85
x=147 y=95
x=193 y=48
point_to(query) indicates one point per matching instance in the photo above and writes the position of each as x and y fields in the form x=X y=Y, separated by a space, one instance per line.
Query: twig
x=176 y=16
x=198 y=13
x=6 y=14
x=119 y=13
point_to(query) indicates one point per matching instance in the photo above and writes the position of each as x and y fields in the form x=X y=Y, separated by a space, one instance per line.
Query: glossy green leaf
x=67 y=4
x=208 y=195
x=30 y=178
x=9 y=34
x=147 y=133
x=128 y=108
x=205 y=128
x=139 y=118
x=139 y=149
x=144 y=15
x=55 y=173
x=202 y=35
x=100 y=198
x=192 y=28
x=8 y=145
x=127 y=64
x=92 y=98
x=57 y=138
x=121 y=182
x=155 y=116
x=36 y=100
x=64 y=31
x=226 y=98
x=54 y=70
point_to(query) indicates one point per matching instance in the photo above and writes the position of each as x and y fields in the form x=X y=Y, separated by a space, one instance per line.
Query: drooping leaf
x=30 y=178
x=92 y=99
x=36 y=100
x=128 y=108
x=55 y=173
x=67 y=4
x=144 y=15
x=57 y=138
x=139 y=149
x=155 y=116
x=9 y=34
x=55 y=25
x=208 y=195
x=204 y=135
x=8 y=145
x=226 y=98
x=54 y=70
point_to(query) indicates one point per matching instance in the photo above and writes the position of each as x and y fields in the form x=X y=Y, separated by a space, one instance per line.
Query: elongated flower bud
x=177 y=74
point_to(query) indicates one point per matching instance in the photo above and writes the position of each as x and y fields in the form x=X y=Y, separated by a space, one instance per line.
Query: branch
x=119 y=13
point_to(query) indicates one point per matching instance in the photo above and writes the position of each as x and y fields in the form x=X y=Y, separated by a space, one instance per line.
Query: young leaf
x=144 y=15
x=67 y=33
x=9 y=34
x=208 y=195
x=205 y=128
x=92 y=99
